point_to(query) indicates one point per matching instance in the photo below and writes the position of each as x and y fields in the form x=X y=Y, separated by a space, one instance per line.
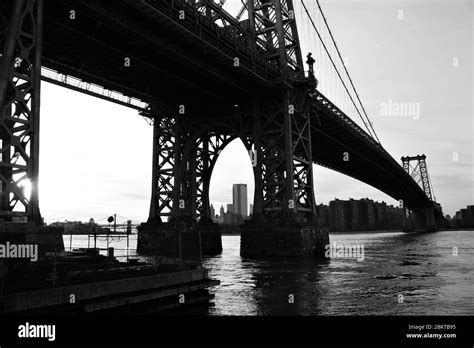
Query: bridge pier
x=284 y=221
x=425 y=219
x=282 y=238
x=173 y=242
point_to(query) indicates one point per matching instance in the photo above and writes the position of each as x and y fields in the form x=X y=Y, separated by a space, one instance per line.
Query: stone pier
x=179 y=238
x=261 y=239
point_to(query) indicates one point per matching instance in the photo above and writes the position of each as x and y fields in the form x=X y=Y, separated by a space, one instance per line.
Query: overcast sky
x=95 y=156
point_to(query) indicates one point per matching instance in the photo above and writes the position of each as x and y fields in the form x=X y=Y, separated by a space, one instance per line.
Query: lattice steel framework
x=20 y=74
x=273 y=27
x=284 y=173
x=164 y=168
x=282 y=132
x=419 y=172
x=184 y=155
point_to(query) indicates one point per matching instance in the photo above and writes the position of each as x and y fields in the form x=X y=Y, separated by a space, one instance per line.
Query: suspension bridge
x=204 y=73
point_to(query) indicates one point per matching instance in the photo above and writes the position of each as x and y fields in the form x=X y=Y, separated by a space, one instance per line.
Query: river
x=399 y=274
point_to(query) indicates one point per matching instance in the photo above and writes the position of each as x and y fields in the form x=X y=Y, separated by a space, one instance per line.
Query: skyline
x=401 y=62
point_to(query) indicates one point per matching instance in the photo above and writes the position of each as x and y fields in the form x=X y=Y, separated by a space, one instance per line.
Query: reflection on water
x=421 y=267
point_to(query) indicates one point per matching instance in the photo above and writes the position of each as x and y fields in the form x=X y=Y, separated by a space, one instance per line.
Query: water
x=420 y=267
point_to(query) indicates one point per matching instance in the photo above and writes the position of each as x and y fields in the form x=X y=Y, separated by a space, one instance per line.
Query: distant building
x=251 y=209
x=233 y=219
x=457 y=220
x=470 y=214
x=322 y=213
x=221 y=211
x=239 y=199
x=467 y=217
x=464 y=218
x=355 y=212
x=230 y=208
x=381 y=223
x=394 y=217
x=77 y=227
x=359 y=215
x=212 y=212
x=339 y=215
x=371 y=214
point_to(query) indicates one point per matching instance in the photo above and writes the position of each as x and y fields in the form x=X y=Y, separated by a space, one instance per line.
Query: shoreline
x=365 y=232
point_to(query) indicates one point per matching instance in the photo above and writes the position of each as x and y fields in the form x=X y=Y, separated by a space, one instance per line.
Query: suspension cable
x=334 y=65
x=345 y=68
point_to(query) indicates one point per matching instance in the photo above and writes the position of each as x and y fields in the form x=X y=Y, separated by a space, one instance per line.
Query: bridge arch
x=205 y=149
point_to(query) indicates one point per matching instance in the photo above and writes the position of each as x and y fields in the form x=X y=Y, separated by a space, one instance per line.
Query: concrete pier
x=182 y=237
x=260 y=239
x=211 y=238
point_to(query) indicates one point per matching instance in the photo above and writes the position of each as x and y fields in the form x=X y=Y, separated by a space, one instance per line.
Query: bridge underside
x=208 y=79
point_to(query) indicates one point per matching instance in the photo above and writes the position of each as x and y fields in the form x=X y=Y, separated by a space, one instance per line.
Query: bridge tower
x=21 y=30
x=274 y=126
x=284 y=215
x=419 y=173
x=20 y=74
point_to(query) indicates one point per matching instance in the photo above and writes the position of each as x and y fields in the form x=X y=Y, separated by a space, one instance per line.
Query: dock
x=85 y=281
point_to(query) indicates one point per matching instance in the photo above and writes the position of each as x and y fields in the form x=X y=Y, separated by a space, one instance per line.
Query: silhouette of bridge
x=203 y=77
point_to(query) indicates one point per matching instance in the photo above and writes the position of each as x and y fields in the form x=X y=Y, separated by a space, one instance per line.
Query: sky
x=96 y=157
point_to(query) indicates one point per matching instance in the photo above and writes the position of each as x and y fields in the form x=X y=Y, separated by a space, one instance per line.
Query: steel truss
x=184 y=155
x=284 y=174
x=277 y=128
x=419 y=173
x=207 y=149
x=273 y=27
x=20 y=75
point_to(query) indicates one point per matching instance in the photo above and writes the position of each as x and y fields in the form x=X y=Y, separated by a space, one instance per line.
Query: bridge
x=203 y=77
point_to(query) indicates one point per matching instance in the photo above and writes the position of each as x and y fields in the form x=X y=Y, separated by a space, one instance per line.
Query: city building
x=381 y=223
x=221 y=211
x=356 y=214
x=239 y=199
x=371 y=214
x=212 y=212
x=470 y=215
x=322 y=213
x=465 y=217
x=230 y=208
x=339 y=215
x=359 y=215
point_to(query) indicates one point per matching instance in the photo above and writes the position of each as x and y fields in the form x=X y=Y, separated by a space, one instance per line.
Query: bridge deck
x=95 y=44
x=334 y=133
